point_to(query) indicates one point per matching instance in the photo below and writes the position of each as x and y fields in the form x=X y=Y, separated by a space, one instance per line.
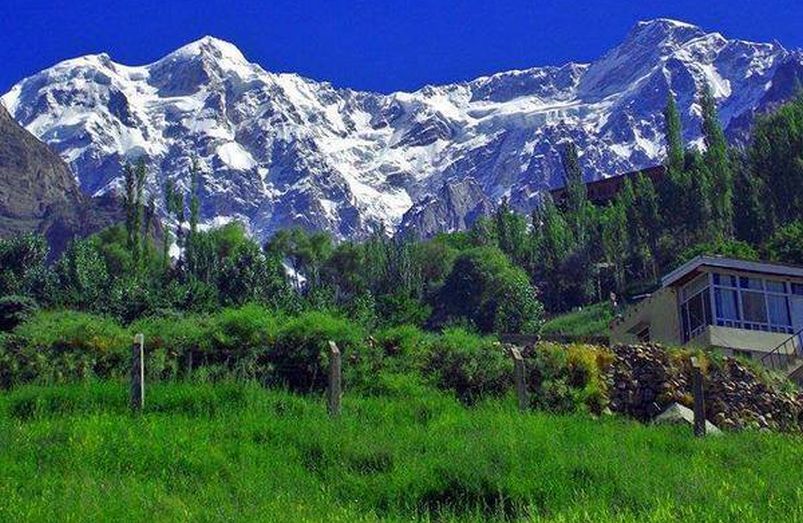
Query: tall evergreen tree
x=511 y=232
x=719 y=167
x=615 y=243
x=751 y=219
x=674 y=135
x=556 y=244
x=776 y=157
x=648 y=206
x=134 y=179
x=700 y=197
x=195 y=202
x=195 y=208
x=672 y=186
x=576 y=193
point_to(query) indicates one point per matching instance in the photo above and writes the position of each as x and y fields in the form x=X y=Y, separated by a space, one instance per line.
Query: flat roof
x=691 y=266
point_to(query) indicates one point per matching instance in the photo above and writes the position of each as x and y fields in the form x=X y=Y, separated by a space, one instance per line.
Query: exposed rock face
x=454 y=208
x=278 y=149
x=38 y=193
x=645 y=380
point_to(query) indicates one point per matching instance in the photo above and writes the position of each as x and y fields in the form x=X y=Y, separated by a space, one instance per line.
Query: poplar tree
x=576 y=193
x=615 y=242
x=672 y=186
x=674 y=135
x=701 y=212
x=648 y=208
x=134 y=179
x=195 y=207
x=719 y=166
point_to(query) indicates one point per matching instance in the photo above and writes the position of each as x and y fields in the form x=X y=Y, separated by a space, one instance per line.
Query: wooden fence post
x=335 y=384
x=521 y=378
x=138 y=372
x=699 y=399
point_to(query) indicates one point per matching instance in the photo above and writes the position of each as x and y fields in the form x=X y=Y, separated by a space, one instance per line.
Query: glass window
x=779 y=310
x=797 y=288
x=695 y=286
x=697 y=314
x=776 y=286
x=727 y=304
x=750 y=283
x=754 y=307
x=725 y=280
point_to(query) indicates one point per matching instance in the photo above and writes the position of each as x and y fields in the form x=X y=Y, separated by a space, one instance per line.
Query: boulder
x=677 y=414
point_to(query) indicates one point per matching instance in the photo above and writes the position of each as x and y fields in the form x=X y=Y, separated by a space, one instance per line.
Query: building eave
x=692 y=266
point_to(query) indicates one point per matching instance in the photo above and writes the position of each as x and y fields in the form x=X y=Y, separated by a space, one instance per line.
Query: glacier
x=277 y=150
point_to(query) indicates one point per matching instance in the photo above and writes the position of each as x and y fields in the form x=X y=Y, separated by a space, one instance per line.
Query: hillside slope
x=38 y=193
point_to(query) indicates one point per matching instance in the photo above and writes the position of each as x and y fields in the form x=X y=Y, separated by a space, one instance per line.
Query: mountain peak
x=278 y=151
x=661 y=30
x=667 y=23
x=211 y=47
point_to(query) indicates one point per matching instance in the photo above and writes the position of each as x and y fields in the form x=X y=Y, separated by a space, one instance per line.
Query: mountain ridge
x=279 y=150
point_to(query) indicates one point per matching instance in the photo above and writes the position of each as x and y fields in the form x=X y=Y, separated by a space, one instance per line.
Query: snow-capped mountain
x=278 y=149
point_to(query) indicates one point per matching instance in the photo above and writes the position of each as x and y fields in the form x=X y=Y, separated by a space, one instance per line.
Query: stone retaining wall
x=645 y=380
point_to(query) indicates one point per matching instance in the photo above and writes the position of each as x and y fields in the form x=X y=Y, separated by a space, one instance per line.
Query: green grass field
x=592 y=320
x=231 y=452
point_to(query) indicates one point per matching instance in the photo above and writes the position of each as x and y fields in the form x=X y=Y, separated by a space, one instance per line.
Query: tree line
x=502 y=275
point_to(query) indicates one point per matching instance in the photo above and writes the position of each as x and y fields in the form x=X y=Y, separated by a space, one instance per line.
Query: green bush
x=568 y=378
x=300 y=354
x=62 y=346
x=486 y=289
x=786 y=244
x=14 y=310
x=406 y=348
x=471 y=366
x=236 y=340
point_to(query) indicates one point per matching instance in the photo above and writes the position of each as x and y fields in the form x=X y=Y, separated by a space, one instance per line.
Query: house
x=747 y=308
x=601 y=192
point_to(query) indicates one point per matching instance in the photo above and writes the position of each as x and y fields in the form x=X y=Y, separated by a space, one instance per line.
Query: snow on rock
x=236 y=157
x=279 y=150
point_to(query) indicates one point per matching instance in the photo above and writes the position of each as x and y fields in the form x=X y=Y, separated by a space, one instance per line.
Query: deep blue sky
x=378 y=45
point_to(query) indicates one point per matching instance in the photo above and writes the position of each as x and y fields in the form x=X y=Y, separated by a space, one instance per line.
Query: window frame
x=742 y=286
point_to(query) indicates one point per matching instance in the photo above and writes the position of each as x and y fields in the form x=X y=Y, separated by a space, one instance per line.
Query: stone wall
x=645 y=380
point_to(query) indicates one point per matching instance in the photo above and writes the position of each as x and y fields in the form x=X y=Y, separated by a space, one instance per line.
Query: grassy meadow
x=240 y=452
x=592 y=320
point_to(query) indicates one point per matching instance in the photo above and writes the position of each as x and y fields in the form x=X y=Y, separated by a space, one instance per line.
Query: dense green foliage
x=254 y=343
x=501 y=276
x=241 y=453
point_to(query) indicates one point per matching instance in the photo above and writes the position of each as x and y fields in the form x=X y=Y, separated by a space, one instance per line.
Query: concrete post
x=699 y=399
x=335 y=380
x=520 y=377
x=138 y=373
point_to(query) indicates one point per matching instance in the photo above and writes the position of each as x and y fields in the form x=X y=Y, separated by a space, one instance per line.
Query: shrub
x=405 y=347
x=401 y=309
x=300 y=354
x=60 y=346
x=567 y=379
x=472 y=366
x=14 y=310
x=236 y=340
x=485 y=288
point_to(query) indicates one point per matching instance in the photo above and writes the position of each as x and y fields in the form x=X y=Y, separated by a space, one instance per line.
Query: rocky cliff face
x=278 y=149
x=38 y=193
